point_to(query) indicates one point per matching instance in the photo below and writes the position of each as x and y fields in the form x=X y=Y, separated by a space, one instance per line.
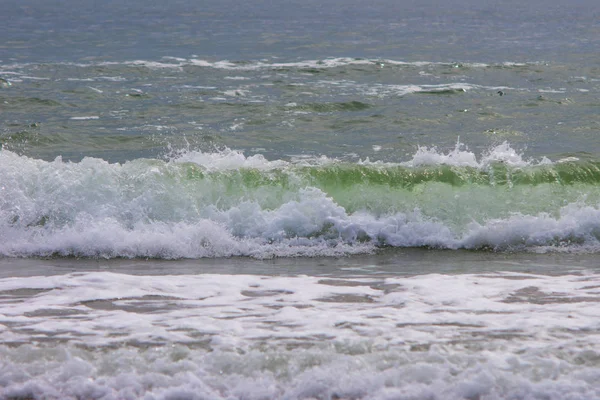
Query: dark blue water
x=432 y=30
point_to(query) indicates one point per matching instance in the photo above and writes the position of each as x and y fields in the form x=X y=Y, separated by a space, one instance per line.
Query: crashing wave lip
x=460 y=156
x=227 y=159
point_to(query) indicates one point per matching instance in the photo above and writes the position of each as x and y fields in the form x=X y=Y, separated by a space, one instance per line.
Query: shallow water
x=414 y=324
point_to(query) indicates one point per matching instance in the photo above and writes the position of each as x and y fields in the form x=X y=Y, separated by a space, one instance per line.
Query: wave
x=308 y=65
x=223 y=204
x=311 y=65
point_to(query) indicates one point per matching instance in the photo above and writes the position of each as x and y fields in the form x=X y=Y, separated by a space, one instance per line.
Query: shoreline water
x=383 y=262
x=409 y=324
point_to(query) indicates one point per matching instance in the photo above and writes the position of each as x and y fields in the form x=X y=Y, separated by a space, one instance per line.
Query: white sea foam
x=493 y=336
x=34 y=78
x=386 y=90
x=96 y=89
x=236 y=92
x=462 y=157
x=333 y=62
x=85 y=118
x=228 y=159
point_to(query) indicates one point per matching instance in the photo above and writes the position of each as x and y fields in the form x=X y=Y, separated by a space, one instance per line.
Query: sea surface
x=300 y=200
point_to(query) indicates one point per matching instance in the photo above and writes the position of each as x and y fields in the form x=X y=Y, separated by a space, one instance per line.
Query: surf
x=197 y=204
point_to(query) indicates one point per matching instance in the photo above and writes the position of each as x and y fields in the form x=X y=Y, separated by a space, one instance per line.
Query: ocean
x=299 y=200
